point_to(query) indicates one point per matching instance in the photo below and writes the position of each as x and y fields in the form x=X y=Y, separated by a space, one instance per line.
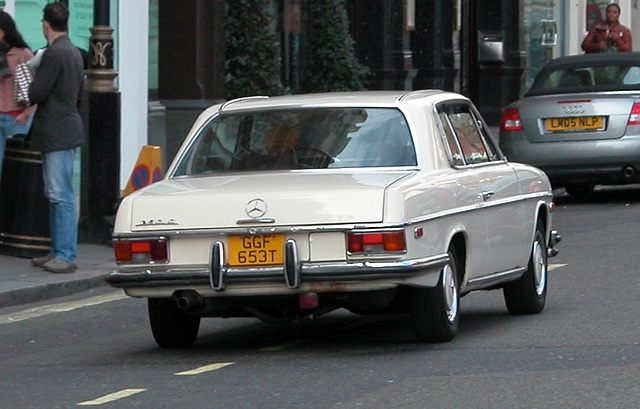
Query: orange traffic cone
x=148 y=169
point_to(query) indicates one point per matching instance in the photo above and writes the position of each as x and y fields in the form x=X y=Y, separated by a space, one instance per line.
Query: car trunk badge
x=256 y=208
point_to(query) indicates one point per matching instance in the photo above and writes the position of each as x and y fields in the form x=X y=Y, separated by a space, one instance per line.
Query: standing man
x=56 y=132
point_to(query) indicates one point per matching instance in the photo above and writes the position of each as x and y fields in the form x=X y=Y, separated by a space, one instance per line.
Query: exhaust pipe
x=628 y=172
x=189 y=300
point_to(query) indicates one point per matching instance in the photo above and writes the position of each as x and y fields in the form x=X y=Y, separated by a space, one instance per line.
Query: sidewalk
x=22 y=283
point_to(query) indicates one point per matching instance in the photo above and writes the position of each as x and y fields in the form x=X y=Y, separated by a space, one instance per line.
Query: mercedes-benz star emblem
x=256 y=208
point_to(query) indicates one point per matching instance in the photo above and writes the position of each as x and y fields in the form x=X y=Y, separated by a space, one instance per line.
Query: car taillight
x=141 y=251
x=376 y=242
x=634 y=116
x=510 y=120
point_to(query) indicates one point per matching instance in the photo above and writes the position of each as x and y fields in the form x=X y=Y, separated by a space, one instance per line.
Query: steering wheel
x=312 y=157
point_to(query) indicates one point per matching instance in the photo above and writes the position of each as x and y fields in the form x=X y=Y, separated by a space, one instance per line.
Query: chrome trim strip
x=460 y=210
x=339 y=227
x=257 y=230
x=263 y=220
x=493 y=279
x=329 y=272
x=243 y=99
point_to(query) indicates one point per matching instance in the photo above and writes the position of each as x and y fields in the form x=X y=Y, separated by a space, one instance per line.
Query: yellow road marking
x=111 y=397
x=205 y=368
x=554 y=266
x=61 y=307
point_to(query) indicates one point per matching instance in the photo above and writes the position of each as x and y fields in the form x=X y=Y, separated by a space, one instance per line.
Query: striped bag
x=22 y=77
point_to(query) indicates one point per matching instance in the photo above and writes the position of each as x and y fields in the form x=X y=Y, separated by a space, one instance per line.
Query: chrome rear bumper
x=554 y=239
x=293 y=273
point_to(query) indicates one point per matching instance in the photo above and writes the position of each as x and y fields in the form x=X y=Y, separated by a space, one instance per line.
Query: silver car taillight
x=634 y=116
x=510 y=120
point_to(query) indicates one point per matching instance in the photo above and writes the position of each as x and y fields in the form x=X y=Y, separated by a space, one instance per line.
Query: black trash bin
x=24 y=210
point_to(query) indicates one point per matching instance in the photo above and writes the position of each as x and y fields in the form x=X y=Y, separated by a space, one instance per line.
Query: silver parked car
x=377 y=202
x=579 y=122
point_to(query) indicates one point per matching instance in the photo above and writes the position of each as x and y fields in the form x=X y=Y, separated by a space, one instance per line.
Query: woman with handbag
x=14 y=117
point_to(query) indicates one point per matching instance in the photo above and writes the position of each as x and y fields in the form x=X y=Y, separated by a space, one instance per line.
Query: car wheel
x=436 y=311
x=171 y=326
x=579 y=191
x=528 y=294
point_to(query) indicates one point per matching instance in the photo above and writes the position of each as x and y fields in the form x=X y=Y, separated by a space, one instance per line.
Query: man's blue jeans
x=57 y=171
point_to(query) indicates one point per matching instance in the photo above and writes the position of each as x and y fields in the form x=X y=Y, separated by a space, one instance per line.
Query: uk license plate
x=576 y=123
x=256 y=250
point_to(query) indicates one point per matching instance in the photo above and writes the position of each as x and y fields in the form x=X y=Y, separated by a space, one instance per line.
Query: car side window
x=454 y=148
x=475 y=146
x=492 y=152
x=631 y=76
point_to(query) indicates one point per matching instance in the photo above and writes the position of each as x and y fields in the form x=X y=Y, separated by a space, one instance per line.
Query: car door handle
x=486 y=195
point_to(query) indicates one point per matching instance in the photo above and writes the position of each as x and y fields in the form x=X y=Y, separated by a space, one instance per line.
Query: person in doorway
x=609 y=35
x=56 y=132
x=14 y=118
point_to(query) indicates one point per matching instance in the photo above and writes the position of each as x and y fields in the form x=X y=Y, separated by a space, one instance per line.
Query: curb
x=42 y=292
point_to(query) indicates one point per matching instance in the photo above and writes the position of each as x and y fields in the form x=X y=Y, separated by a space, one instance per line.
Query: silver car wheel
x=450 y=293
x=527 y=295
x=539 y=268
x=435 y=310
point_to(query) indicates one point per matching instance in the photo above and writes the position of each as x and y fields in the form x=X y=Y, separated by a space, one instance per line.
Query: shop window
x=596 y=12
x=289 y=16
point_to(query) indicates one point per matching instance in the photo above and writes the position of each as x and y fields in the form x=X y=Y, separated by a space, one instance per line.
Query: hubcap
x=539 y=268
x=450 y=293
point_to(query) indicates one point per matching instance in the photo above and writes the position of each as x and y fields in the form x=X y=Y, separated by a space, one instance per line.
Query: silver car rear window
x=587 y=79
x=309 y=138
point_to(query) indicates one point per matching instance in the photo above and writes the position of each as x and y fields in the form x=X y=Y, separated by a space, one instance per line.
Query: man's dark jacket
x=56 y=89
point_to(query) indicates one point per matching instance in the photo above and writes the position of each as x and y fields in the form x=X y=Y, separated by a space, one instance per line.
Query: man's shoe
x=41 y=261
x=59 y=266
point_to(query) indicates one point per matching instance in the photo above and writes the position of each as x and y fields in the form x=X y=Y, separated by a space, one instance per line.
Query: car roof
x=356 y=98
x=612 y=58
x=572 y=62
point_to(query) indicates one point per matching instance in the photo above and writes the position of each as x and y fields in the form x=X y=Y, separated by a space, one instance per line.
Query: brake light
x=140 y=251
x=510 y=120
x=377 y=242
x=634 y=116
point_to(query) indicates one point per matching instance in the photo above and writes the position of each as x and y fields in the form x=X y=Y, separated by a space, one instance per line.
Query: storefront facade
x=169 y=56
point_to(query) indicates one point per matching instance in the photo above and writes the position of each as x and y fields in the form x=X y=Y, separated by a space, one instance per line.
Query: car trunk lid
x=240 y=200
x=576 y=117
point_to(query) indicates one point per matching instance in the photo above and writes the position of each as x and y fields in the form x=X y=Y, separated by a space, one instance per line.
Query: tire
x=528 y=294
x=579 y=190
x=171 y=326
x=436 y=311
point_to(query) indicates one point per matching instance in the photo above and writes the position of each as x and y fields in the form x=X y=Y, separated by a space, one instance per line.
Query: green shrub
x=252 y=50
x=331 y=62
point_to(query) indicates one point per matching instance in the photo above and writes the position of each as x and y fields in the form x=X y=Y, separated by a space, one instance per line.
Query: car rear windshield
x=300 y=139
x=587 y=78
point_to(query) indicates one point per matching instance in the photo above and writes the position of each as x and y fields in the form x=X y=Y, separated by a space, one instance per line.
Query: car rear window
x=311 y=138
x=587 y=79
